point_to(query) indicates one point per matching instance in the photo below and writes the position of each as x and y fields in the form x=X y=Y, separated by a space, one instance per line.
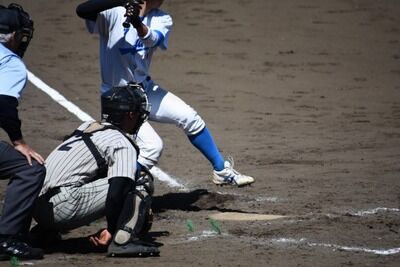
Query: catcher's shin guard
x=135 y=219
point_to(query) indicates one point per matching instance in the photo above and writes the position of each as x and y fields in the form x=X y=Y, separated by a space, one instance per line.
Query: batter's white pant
x=165 y=108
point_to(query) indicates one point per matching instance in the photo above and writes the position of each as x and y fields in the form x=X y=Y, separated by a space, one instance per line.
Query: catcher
x=93 y=174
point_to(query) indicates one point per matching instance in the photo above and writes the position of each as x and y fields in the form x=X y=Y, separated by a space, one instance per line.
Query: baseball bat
x=127 y=22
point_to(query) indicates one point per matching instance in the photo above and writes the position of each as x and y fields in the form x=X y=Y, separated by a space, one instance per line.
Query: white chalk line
x=60 y=99
x=303 y=241
x=166 y=178
x=203 y=235
x=374 y=211
x=360 y=213
x=83 y=116
x=286 y=241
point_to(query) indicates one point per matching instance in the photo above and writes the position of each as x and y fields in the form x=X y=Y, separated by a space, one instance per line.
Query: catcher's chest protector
x=87 y=133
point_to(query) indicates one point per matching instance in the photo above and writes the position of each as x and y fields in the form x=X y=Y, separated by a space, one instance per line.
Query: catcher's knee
x=136 y=217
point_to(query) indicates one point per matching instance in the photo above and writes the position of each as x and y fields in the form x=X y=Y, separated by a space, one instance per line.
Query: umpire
x=18 y=162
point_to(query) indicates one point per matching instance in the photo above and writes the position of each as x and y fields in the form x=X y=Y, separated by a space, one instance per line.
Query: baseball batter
x=92 y=174
x=130 y=32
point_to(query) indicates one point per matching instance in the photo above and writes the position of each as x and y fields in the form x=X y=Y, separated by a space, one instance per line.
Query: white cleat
x=229 y=176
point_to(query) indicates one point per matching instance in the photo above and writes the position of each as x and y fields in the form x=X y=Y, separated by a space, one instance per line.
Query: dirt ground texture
x=305 y=95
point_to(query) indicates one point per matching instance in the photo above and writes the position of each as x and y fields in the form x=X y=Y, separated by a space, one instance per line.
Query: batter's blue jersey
x=124 y=56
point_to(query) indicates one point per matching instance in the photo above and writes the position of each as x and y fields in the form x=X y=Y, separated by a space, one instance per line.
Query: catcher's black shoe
x=44 y=238
x=132 y=249
x=19 y=249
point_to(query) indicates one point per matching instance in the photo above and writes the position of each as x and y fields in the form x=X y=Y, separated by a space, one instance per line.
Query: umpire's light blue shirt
x=13 y=74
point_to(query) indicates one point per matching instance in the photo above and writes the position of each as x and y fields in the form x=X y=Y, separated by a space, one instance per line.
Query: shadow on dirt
x=197 y=200
x=82 y=245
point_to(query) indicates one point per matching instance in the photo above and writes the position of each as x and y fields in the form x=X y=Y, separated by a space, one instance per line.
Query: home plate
x=240 y=216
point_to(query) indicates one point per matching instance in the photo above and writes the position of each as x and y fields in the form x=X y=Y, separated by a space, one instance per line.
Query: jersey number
x=66 y=147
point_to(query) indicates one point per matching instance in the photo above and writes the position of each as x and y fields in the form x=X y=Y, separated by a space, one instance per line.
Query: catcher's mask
x=15 y=19
x=123 y=99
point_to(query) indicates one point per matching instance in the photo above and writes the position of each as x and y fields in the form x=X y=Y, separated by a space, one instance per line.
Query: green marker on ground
x=14 y=261
x=215 y=226
x=190 y=225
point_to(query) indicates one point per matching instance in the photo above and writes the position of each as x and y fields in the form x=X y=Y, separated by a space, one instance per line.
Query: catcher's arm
x=116 y=195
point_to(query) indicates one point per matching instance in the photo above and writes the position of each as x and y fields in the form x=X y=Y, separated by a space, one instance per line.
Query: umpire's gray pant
x=23 y=188
x=72 y=207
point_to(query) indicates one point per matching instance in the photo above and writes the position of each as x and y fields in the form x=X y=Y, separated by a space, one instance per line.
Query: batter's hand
x=132 y=13
x=134 y=3
x=28 y=152
x=101 y=238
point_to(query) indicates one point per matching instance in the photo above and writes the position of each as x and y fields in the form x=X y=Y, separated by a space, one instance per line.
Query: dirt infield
x=305 y=95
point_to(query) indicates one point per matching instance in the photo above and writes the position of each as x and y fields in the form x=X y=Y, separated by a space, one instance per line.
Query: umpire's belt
x=51 y=193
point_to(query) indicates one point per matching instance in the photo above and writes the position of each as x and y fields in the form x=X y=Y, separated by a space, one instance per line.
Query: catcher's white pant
x=165 y=108
x=73 y=207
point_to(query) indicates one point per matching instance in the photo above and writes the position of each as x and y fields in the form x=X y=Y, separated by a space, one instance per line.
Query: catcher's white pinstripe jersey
x=72 y=163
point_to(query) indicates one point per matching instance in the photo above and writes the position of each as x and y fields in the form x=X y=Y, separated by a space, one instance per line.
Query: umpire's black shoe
x=132 y=249
x=19 y=249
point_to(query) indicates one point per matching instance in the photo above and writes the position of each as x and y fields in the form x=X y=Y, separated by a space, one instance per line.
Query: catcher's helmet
x=116 y=102
x=15 y=19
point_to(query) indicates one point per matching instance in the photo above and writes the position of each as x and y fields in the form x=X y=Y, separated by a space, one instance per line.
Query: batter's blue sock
x=204 y=142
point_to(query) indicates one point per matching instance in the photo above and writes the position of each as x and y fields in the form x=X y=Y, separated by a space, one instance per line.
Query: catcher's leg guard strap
x=133 y=217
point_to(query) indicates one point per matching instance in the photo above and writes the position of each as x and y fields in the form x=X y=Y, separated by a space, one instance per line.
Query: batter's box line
x=362 y=213
x=374 y=211
x=286 y=241
x=83 y=116
x=303 y=241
